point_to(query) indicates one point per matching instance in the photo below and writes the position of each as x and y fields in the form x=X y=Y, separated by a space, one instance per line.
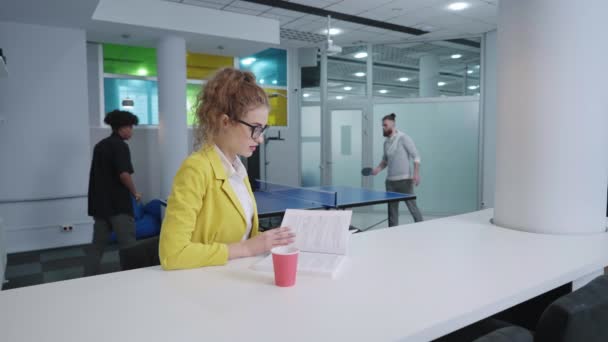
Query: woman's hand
x=262 y=243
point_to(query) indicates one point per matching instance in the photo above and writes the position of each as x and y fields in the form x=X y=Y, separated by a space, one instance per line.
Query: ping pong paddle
x=366 y=171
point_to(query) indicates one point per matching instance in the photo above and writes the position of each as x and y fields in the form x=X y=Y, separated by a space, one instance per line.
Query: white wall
x=44 y=143
x=489 y=119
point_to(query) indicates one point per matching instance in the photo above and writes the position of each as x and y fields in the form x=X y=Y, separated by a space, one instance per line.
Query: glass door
x=345 y=150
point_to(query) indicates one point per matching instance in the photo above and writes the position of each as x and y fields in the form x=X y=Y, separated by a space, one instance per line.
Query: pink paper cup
x=285 y=262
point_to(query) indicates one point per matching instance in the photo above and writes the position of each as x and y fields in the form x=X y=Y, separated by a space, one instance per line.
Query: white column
x=429 y=75
x=552 y=116
x=173 y=126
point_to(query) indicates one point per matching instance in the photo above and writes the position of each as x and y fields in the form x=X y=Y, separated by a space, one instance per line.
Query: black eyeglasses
x=256 y=130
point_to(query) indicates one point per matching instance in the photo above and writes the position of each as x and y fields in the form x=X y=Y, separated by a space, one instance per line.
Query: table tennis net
x=325 y=198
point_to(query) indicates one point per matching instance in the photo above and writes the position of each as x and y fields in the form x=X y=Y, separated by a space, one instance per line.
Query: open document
x=322 y=238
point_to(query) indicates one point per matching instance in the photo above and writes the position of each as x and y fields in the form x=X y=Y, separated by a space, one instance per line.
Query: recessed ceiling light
x=339 y=97
x=360 y=55
x=359 y=74
x=347 y=88
x=469 y=71
x=456 y=56
x=458 y=6
x=262 y=81
x=403 y=79
x=473 y=87
x=306 y=95
x=274 y=81
x=383 y=91
x=248 y=61
x=333 y=31
x=142 y=72
x=441 y=84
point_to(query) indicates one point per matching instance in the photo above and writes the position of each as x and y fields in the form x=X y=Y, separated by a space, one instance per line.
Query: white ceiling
x=396 y=56
x=78 y=14
x=427 y=15
x=430 y=15
x=395 y=61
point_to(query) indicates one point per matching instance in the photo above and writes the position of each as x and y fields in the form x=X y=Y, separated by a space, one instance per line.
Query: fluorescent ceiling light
x=441 y=84
x=347 y=88
x=360 y=74
x=456 y=56
x=458 y=6
x=333 y=31
x=248 y=61
x=361 y=54
x=403 y=79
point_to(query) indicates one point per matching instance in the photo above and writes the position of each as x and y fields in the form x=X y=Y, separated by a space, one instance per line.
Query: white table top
x=412 y=283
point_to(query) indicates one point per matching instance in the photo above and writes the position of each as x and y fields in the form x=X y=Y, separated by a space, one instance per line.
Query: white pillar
x=173 y=126
x=429 y=75
x=552 y=116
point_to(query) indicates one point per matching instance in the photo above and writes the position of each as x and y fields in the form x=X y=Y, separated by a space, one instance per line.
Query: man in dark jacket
x=111 y=188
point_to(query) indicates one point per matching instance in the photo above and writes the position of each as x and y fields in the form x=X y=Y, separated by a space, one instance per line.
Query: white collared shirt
x=236 y=173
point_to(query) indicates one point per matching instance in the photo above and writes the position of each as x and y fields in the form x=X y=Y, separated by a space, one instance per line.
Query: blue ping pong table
x=274 y=200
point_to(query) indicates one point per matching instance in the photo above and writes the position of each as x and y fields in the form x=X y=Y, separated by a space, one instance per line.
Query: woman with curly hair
x=211 y=214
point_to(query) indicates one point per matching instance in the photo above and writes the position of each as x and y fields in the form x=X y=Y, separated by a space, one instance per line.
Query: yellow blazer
x=203 y=215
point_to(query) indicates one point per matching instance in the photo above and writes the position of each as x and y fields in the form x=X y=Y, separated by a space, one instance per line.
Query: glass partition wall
x=433 y=87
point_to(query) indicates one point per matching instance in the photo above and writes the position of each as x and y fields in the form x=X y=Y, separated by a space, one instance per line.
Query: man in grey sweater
x=399 y=151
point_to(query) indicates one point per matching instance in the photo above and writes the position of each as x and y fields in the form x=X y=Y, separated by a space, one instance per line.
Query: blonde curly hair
x=230 y=91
